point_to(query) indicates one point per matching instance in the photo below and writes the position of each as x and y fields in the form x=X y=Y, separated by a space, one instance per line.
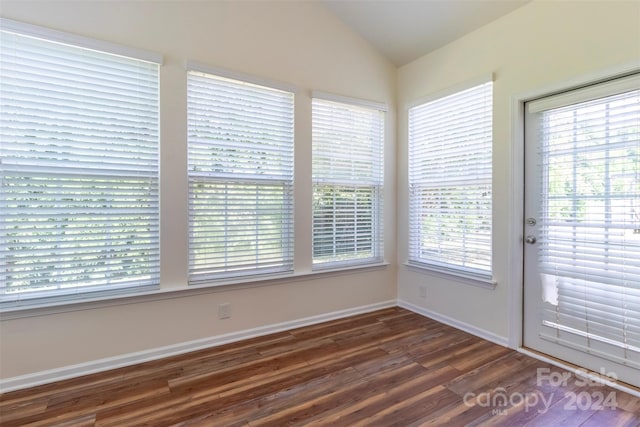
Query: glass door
x=582 y=227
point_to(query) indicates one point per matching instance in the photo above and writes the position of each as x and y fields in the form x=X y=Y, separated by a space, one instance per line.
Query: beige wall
x=543 y=43
x=539 y=45
x=297 y=43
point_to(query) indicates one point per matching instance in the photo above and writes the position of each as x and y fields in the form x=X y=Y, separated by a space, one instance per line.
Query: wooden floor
x=386 y=368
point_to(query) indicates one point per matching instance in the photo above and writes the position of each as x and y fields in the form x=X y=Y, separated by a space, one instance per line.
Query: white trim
x=589 y=93
x=516 y=182
x=466 y=327
x=246 y=282
x=72 y=371
x=468 y=84
x=346 y=265
x=583 y=372
x=456 y=276
x=515 y=223
x=236 y=75
x=578 y=82
x=380 y=106
x=79 y=41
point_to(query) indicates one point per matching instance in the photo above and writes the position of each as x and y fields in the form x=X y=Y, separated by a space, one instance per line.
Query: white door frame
x=516 y=186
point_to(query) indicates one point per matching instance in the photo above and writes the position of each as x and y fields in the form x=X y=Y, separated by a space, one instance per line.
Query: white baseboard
x=474 y=330
x=72 y=371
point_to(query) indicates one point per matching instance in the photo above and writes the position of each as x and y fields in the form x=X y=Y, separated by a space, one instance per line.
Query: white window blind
x=79 y=164
x=240 y=151
x=450 y=182
x=347 y=172
x=589 y=244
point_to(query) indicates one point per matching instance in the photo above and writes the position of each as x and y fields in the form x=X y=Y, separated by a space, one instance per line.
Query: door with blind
x=582 y=227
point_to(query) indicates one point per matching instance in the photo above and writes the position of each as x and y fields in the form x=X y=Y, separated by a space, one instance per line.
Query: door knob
x=530 y=239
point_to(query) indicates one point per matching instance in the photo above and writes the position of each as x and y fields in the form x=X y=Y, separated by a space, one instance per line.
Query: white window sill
x=42 y=309
x=466 y=279
x=320 y=267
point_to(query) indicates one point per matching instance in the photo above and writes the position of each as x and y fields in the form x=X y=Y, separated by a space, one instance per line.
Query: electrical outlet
x=423 y=291
x=224 y=311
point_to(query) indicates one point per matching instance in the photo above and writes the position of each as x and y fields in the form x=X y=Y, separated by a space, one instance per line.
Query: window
x=347 y=183
x=240 y=155
x=450 y=146
x=79 y=166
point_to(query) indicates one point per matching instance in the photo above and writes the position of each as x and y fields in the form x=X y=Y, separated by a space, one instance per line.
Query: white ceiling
x=404 y=30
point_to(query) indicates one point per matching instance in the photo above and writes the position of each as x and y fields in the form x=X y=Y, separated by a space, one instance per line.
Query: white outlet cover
x=224 y=311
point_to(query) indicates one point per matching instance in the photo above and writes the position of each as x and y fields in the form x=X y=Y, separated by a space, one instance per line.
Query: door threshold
x=579 y=370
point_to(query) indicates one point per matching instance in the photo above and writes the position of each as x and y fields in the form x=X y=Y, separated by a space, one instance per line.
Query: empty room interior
x=320 y=212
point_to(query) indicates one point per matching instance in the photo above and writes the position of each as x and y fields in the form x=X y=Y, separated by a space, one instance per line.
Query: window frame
x=225 y=275
x=84 y=46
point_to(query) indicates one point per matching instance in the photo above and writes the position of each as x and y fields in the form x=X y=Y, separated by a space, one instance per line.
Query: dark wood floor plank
x=458 y=414
x=208 y=397
x=452 y=414
x=85 y=406
x=410 y=342
x=241 y=370
x=22 y=409
x=494 y=374
x=270 y=404
x=608 y=418
x=388 y=403
x=413 y=408
x=325 y=329
x=386 y=368
x=479 y=358
x=347 y=397
x=442 y=342
x=557 y=415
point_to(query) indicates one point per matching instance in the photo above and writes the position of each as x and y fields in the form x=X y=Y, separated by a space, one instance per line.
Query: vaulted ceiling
x=404 y=30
